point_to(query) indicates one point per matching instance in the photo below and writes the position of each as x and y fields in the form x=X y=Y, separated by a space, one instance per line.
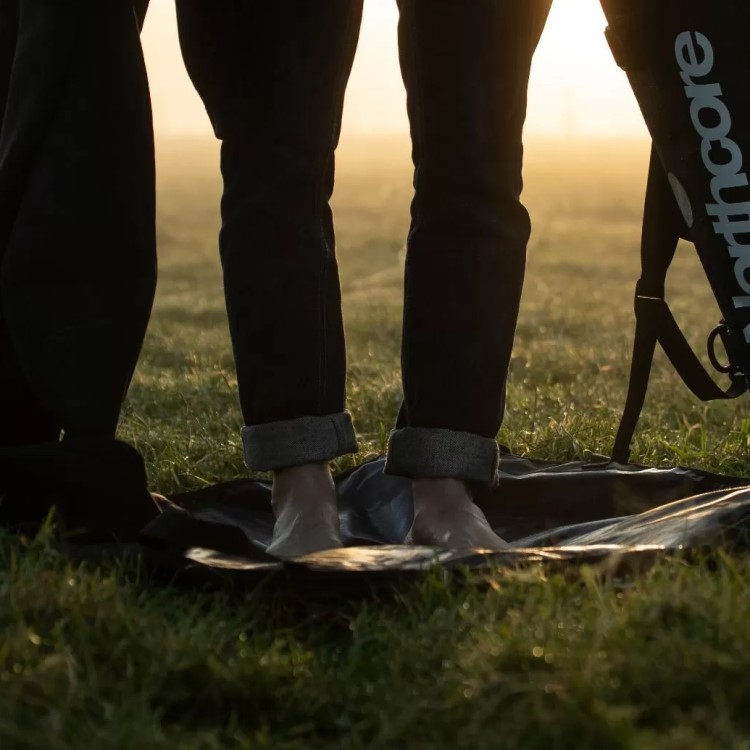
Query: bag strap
x=663 y=225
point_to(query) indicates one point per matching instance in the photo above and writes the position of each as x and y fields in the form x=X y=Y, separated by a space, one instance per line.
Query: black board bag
x=77 y=215
x=688 y=63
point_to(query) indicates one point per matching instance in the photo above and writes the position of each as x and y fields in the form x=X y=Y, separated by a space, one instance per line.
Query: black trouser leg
x=77 y=230
x=274 y=87
x=466 y=69
x=22 y=418
x=273 y=77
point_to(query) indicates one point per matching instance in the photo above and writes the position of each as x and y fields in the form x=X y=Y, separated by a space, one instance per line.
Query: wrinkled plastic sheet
x=619 y=518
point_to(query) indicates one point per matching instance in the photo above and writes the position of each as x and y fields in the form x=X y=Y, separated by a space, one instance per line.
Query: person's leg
x=23 y=419
x=466 y=69
x=77 y=235
x=273 y=77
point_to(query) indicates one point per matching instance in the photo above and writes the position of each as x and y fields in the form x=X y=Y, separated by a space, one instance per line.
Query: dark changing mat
x=598 y=512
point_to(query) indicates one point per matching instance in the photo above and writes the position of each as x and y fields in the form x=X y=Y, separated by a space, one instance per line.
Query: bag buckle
x=721 y=332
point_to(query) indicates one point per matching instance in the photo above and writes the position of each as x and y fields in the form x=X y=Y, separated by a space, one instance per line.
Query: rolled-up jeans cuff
x=428 y=452
x=293 y=442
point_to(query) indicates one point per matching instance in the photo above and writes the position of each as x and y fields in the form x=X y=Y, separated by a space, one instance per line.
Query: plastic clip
x=721 y=332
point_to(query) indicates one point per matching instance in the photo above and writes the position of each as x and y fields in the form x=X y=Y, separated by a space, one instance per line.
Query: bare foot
x=307 y=519
x=445 y=516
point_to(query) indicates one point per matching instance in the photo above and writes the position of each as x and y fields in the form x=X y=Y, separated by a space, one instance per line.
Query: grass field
x=96 y=659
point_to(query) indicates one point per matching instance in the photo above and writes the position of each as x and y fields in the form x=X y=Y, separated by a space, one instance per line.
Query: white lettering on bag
x=721 y=155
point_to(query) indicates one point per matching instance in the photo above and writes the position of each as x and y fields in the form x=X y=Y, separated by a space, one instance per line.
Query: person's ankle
x=311 y=471
x=308 y=481
x=441 y=490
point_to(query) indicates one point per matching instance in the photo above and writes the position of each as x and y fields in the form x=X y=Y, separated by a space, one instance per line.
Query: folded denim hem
x=293 y=442
x=429 y=452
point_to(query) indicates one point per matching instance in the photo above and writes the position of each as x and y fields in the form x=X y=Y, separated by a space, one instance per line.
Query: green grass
x=102 y=658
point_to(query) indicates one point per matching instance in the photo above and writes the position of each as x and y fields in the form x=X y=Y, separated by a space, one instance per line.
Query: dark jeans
x=77 y=234
x=273 y=77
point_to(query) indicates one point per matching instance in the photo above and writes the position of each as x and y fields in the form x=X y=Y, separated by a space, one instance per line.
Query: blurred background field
x=572 y=351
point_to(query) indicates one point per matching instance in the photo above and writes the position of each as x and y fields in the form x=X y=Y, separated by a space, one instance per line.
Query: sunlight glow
x=576 y=89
